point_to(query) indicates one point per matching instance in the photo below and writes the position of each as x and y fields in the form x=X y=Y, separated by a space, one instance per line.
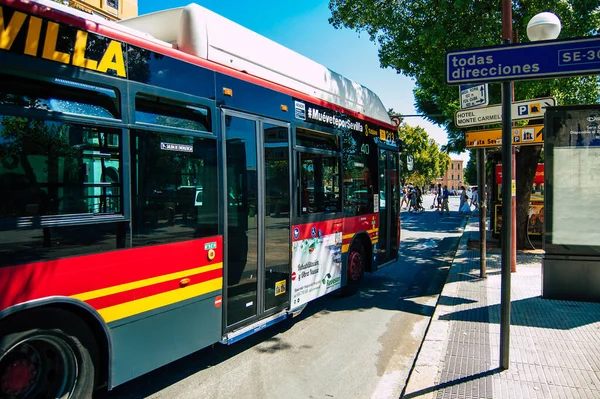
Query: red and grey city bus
x=170 y=182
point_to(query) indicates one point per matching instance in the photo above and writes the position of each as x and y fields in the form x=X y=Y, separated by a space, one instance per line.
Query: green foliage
x=428 y=161
x=414 y=36
x=470 y=171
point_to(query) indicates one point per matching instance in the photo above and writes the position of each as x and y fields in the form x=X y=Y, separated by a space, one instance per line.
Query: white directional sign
x=472 y=96
x=530 y=109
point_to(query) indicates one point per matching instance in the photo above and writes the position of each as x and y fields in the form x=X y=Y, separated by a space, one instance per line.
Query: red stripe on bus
x=143 y=292
x=349 y=226
x=311 y=230
x=75 y=275
x=56 y=15
x=360 y=223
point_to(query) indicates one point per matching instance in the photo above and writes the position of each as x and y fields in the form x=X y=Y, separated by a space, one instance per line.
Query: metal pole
x=506 y=198
x=513 y=221
x=482 y=211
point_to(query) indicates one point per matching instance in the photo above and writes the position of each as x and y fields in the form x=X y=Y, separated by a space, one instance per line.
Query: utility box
x=571 y=264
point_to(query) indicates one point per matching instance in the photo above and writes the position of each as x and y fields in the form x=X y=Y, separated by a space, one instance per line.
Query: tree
x=428 y=162
x=414 y=36
x=470 y=172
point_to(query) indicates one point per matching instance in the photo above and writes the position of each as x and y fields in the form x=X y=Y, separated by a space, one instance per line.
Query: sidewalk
x=554 y=345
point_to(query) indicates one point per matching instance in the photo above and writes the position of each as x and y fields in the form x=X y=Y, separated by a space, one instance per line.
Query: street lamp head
x=543 y=26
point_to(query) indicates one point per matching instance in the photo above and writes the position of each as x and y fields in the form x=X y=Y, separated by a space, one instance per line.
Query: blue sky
x=302 y=26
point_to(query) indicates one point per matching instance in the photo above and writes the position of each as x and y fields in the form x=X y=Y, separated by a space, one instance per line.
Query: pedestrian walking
x=404 y=198
x=445 y=195
x=419 y=199
x=475 y=198
x=463 y=198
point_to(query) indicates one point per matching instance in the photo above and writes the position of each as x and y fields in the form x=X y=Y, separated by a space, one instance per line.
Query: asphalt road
x=361 y=346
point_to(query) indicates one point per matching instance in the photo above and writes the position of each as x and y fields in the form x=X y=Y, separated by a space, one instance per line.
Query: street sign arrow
x=473 y=96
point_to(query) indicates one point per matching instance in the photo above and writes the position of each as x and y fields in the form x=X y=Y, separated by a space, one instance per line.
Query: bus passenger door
x=258 y=217
x=389 y=206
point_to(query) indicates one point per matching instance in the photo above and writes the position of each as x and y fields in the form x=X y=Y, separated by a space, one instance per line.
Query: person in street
x=405 y=198
x=434 y=204
x=410 y=194
x=475 y=198
x=464 y=198
x=418 y=199
x=445 y=195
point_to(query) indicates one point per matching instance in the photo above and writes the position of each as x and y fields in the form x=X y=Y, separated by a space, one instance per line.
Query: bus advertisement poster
x=316 y=263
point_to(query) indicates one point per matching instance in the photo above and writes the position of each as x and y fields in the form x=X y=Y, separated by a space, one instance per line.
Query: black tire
x=355 y=271
x=47 y=353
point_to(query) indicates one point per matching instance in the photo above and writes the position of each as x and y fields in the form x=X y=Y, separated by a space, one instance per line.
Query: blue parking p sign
x=523 y=110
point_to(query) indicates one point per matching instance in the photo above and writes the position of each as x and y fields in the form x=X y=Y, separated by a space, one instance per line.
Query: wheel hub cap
x=17 y=377
x=355 y=266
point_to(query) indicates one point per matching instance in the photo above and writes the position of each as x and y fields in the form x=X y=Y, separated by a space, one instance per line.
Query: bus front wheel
x=46 y=354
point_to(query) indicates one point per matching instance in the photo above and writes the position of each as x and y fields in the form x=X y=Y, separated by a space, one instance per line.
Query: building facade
x=112 y=10
x=453 y=178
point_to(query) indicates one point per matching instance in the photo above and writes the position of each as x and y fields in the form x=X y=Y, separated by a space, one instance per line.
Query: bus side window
x=174 y=184
x=319 y=184
x=360 y=163
x=319 y=172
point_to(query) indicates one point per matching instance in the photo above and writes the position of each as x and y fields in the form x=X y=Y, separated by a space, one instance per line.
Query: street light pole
x=507 y=210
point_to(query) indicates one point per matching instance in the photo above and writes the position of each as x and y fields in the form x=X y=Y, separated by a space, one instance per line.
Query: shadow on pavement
x=453 y=301
x=413 y=222
x=172 y=373
x=535 y=312
x=449 y=384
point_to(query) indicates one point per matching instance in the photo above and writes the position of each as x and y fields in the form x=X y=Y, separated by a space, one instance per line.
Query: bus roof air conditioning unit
x=198 y=31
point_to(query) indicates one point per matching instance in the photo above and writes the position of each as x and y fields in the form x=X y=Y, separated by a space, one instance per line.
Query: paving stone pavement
x=554 y=344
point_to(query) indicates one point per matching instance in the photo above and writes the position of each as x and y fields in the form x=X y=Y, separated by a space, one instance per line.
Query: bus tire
x=48 y=353
x=355 y=270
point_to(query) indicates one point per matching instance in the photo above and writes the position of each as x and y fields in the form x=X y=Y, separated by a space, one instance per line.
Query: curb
x=432 y=352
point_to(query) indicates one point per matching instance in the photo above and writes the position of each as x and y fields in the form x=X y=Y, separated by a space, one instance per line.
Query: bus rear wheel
x=46 y=354
x=356 y=265
x=356 y=269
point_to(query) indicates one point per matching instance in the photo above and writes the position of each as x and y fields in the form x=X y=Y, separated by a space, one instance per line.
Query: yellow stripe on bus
x=142 y=305
x=346 y=247
x=86 y=296
x=352 y=234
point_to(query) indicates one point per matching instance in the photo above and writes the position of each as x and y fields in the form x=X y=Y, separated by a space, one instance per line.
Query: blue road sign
x=473 y=96
x=540 y=60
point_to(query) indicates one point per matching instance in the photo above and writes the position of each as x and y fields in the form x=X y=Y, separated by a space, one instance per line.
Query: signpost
x=540 y=60
x=530 y=109
x=472 y=96
x=526 y=135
